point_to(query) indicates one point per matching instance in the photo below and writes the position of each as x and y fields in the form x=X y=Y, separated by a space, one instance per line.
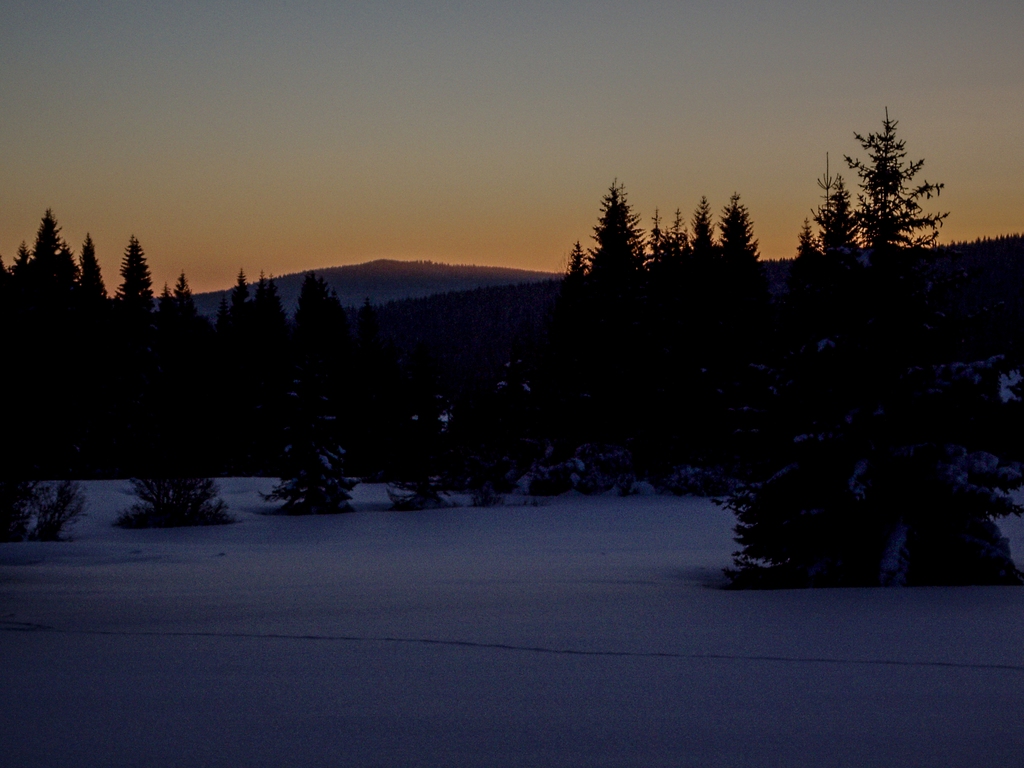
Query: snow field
x=582 y=631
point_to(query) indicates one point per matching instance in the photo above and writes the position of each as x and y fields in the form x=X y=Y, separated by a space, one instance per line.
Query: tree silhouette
x=835 y=216
x=884 y=466
x=312 y=474
x=92 y=291
x=889 y=208
x=135 y=294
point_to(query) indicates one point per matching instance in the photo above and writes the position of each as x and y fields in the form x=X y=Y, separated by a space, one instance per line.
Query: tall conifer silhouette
x=885 y=470
x=135 y=294
x=91 y=289
x=312 y=468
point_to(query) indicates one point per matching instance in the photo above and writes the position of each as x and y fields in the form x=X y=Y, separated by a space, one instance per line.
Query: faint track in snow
x=21 y=627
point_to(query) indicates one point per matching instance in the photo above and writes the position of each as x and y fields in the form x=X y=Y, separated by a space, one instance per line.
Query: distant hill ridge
x=387 y=280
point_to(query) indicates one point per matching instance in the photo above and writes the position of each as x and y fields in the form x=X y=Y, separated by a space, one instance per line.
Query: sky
x=286 y=136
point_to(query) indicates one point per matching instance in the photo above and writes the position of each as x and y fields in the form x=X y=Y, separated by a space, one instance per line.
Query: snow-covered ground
x=580 y=631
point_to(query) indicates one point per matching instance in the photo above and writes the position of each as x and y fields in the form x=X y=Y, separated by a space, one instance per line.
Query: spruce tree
x=137 y=365
x=745 y=279
x=420 y=484
x=21 y=260
x=889 y=205
x=886 y=469
x=271 y=373
x=94 y=354
x=240 y=302
x=612 y=304
x=135 y=294
x=702 y=241
x=835 y=216
x=52 y=270
x=91 y=289
x=312 y=474
x=269 y=314
x=42 y=347
x=618 y=255
x=183 y=301
x=186 y=405
x=223 y=322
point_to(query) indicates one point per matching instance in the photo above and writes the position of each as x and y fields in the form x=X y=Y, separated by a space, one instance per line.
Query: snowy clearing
x=581 y=631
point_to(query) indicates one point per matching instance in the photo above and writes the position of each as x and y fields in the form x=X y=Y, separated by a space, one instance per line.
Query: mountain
x=387 y=280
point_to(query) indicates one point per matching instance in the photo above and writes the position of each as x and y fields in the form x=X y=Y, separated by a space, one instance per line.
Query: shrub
x=55 y=507
x=699 y=481
x=15 y=508
x=412 y=496
x=166 y=503
x=593 y=469
x=485 y=496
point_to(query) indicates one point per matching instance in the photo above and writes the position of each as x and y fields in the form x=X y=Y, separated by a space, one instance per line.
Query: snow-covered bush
x=38 y=510
x=688 y=480
x=55 y=506
x=15 y=508
x=412 y=496
x=486 y=496
x=171 y=502
x=592 y=469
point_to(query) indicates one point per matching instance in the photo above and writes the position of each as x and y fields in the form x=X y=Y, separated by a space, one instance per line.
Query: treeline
x=873 y=420
x=869 y=414
x=140 y=385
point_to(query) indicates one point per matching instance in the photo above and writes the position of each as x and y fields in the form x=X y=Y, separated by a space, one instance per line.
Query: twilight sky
x=282 y=136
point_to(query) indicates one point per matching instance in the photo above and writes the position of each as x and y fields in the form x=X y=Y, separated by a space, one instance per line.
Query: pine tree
x=137 y=365
x=313 y=481
x=269 y=314
x=91 y=290
x=576 y=270
x=889 y=205
x=135 y=294
x=739 y=248
x=677 y=248
x=835 y=216
x=240 y=303
x=41 y=346
x=886 y=468
x=618 y=256
x=185 y=400
x=312 y=477
x=165 y=304
x=21 y=261
x=702 y=241
x=420 y=485
x=271 y=373
x=52 y=271
x=93 y=359
x=223 y=322
x=746 y=282
x=184 y=303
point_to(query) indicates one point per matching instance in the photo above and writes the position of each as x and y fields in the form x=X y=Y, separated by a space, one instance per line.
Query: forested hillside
x=471 y=334
x=387 y=280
